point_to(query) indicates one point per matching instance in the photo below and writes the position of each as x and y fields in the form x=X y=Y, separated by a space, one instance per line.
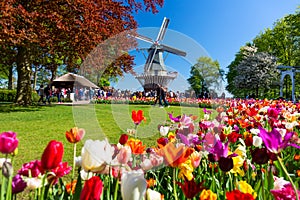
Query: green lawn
x=36 y=126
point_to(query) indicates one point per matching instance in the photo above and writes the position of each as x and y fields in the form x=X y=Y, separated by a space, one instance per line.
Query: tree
x=69 y=28
x=205 y=74
x=257 y=70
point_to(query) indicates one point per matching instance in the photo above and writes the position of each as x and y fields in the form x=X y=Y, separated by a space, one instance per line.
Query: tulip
x=52 y=155
x=123 y=139
x=92 y=189
x=96 y=155
x=18 y=184
x=236 y=194
x=137 y=116
x=31 y=169
x=8 y=142
x=133 y=185
x=75 y=134
x=164 y=130
x=257 y=141
x=273 y=140
x=146 y=164
x=190 y=188
x=153 y=195
x=208 y=195
x=124 y=155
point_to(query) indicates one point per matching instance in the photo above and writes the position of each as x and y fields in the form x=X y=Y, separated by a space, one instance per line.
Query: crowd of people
x=158 y=95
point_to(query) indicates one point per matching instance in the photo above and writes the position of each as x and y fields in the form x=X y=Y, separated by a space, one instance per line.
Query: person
x=47 y=93
x=58 y=94
x=41 y=93
x=161 y=96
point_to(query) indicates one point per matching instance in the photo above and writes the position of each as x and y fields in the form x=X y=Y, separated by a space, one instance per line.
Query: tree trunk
x=10 y=78
x=24 y=78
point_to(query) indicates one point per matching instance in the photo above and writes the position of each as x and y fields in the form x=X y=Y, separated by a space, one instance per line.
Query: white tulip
x=257 y=141
x=133 y=185
x=152 y=195
x=164 y=130
x=95 y=155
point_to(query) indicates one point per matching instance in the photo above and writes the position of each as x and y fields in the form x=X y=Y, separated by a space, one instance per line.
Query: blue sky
x=219 y=27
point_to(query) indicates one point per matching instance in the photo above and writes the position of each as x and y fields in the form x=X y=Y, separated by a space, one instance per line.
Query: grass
x=36 y=126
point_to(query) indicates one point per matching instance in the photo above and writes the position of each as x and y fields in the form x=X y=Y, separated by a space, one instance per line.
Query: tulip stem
x=287 y=174
x=174 y=184
x=73 y=170
x=262 y=185
x=116 y=189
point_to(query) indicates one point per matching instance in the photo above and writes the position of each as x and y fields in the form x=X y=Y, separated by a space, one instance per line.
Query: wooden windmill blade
x=173 y=50
x=150 y=58
x=143 y=38
x=163 y=29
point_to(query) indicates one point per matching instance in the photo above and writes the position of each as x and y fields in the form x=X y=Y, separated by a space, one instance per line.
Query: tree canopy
x=281 y=41
x=66 y=30
x=205 y=74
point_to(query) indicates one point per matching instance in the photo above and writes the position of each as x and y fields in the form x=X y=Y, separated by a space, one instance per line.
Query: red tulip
x=190 y=188
x=123 y=139
x=137 y=117
x=8 y=142
x=92 y=189
x=52 y=155
x=236 y=194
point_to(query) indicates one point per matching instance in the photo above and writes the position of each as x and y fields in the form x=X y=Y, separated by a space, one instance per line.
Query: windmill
x=155 y=71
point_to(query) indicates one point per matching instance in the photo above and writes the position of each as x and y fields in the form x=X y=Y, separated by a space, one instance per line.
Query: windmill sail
x=155 y=71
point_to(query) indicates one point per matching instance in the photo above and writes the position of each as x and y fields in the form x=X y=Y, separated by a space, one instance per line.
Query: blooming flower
x=136 y=146
x=61 y=170
x=8 y=142
x=153 y=195
x=137 y=116
x=123 y=139
x=257 y=141
x=70 y=187
x=75 y=134
x=236 y=194
x=190 y=188
x=174 y=119
x=208 y=195
x=164 y=130
x=244 y=187
x=52 y=155
x=95 y=155
x=283 y=189
x=273 y=140
x=175 y=155
x=33 y=183
x=92 y=189
x=186 y=170
x=18 y=184
x=31 y=169
x=133 y=185
x=124 y=155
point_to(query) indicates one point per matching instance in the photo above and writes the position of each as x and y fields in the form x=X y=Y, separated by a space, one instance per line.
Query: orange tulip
x=71 y=187
x=136 y=146
x=75 y=134
x=175 y=156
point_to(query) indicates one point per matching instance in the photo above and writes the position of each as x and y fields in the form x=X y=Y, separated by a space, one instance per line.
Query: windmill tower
x=155 y=71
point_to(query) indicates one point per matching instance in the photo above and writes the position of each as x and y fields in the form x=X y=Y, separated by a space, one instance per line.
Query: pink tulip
x=8 y=142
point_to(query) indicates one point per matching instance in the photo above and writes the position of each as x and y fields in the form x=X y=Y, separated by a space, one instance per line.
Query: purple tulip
x=273 y=140
x=18 y=184
x=8 y=142
x=174 y=119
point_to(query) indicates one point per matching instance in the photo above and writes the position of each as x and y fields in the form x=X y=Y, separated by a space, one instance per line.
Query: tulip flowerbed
x=250 y=150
